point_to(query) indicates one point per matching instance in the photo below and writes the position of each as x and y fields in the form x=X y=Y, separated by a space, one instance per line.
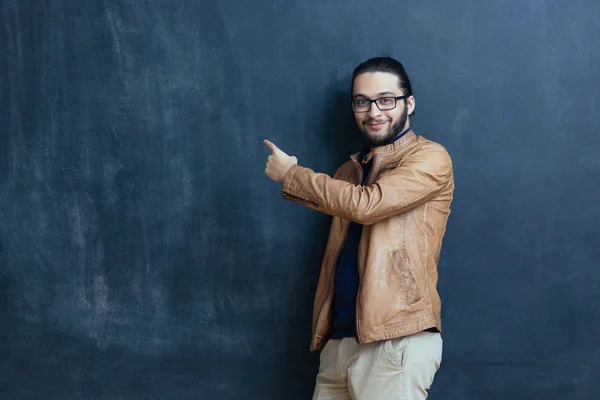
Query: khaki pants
x=401 y=368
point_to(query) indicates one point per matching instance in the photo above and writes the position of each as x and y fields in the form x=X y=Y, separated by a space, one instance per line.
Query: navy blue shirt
x=346 y=276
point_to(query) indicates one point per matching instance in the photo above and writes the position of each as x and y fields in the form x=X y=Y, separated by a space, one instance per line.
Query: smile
x=377 y=125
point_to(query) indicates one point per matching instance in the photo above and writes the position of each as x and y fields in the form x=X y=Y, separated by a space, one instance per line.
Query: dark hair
x=385 y=64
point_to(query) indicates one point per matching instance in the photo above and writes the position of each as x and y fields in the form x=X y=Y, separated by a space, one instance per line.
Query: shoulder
x=431 y=148
x=429 y=154
x=427 y=145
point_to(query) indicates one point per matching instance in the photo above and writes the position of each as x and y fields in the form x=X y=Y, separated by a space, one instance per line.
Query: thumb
x=271 y=146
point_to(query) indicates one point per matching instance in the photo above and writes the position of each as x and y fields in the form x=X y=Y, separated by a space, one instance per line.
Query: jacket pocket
x=410 y=290
x=396 y=351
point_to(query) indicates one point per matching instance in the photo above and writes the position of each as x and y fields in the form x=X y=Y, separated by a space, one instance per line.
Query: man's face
x=379 y=127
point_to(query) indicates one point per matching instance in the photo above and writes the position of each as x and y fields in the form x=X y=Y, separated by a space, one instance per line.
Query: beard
x=390 y=135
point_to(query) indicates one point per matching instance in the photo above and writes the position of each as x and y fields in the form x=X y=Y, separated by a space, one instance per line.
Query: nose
x=374 y=111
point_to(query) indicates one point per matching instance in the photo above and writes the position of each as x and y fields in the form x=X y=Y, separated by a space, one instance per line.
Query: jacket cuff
x=288 y=181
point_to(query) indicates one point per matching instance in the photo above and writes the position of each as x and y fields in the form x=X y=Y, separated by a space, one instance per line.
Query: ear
x=410 y=104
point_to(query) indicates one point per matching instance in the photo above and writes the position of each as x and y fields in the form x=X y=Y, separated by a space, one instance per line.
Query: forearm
x=394 y=193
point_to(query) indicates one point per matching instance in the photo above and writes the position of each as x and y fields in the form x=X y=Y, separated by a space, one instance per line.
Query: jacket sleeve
x=419 y=178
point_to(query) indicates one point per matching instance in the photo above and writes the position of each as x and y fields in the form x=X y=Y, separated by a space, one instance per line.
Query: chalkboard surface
x=145 y=255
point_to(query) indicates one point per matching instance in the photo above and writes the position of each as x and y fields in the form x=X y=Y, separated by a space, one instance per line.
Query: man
x=377 y=312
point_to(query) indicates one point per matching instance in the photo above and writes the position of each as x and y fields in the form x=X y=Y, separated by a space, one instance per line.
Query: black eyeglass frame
x=377 y=105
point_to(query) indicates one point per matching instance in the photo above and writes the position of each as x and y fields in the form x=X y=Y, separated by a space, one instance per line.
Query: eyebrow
x=387 y=93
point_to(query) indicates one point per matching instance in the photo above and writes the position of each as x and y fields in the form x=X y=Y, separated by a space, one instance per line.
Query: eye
x=386 y=100
x=361 y=102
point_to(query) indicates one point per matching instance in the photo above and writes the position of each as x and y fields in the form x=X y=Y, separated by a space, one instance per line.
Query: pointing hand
x=279 y=163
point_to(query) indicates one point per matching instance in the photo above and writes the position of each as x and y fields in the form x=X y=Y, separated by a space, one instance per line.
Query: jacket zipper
x=335 y=259
x=331 y=278
x=369 y=181
x=298 y=199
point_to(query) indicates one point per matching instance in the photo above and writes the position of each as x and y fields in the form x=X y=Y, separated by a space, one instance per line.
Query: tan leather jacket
x=404 y=209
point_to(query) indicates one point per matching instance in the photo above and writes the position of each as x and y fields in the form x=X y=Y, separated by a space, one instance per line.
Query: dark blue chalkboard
x=145 y=255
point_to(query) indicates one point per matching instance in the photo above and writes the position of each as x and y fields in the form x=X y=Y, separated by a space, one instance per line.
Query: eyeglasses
x=382 y=103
